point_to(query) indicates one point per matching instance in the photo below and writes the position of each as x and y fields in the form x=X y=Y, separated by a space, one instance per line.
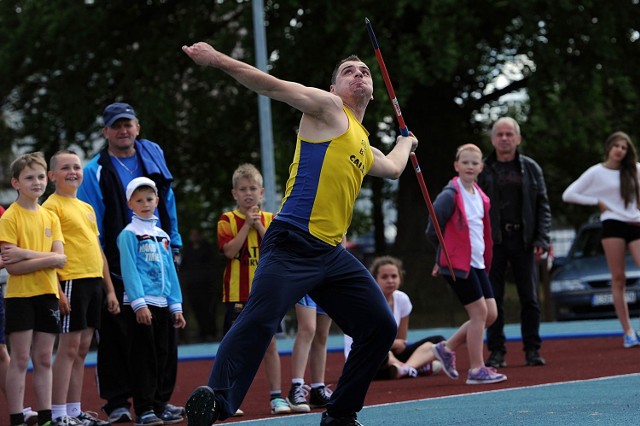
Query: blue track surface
x=608 y=401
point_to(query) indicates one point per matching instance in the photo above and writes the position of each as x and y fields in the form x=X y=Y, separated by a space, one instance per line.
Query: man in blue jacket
x=124 y=158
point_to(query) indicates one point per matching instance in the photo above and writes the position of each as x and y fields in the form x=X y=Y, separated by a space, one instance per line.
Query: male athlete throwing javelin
x=301 y=251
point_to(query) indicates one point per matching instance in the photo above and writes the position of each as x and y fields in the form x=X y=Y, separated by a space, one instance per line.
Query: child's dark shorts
x=38 y=313
x=472 y=288
x=85 y=298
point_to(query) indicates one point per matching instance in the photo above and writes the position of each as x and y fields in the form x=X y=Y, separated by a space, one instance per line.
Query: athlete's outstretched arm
x=309 y=100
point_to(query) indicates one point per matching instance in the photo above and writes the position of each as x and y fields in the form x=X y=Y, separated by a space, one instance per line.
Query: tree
x=451 y=63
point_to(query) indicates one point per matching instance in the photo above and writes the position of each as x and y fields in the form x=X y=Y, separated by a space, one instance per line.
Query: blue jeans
x=292 y=264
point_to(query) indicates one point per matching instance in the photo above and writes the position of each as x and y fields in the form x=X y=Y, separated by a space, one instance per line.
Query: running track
x=576 y=353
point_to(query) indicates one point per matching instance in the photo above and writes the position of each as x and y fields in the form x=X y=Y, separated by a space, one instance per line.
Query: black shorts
x=412 y=347
x=612 y=228
x=38 y=313
x=472 y=288
x=85 y=299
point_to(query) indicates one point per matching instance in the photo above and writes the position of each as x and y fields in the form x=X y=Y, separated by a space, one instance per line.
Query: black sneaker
x=318 y=397
x=170 y=418
x=175 y=410
x=148 y=418
x=120 y=415
x=496 y=360
x=90 y=418
x=202 y=408
x=327 y=420
x=532 y=357
x=298 y=398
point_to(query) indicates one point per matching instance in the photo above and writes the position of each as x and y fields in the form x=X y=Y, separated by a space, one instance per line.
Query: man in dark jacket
x=520 y=223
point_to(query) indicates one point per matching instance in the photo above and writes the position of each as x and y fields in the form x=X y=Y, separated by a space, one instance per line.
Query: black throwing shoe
x=496 y=360
x=533 y=358
x=202 y=408
x=327 y=420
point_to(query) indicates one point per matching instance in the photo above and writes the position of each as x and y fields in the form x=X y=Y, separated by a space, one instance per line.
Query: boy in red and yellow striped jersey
x=240 y=233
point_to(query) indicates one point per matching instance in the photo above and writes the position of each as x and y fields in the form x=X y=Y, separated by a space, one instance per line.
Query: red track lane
x=567 y=359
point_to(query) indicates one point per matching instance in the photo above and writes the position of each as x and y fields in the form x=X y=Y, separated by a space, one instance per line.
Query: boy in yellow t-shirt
x=32 y=249
x=81 y=294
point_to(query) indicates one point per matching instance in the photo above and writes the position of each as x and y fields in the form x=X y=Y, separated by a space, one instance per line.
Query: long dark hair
x=629 y=186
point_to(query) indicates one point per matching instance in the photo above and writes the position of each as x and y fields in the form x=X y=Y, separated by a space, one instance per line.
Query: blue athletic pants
x=292 y=264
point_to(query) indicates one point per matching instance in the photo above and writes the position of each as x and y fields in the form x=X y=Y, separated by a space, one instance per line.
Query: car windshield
x=587 y=243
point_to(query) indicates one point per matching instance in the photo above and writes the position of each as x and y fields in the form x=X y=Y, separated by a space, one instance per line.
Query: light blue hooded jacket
x=146 y=261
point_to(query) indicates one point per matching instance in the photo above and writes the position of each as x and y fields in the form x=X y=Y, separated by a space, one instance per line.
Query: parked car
x=581 y=282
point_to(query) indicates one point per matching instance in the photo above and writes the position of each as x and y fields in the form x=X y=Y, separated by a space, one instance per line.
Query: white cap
x=137 y=183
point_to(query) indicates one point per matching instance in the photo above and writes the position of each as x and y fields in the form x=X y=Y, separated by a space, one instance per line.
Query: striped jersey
x=324 y=181
x=239 y=271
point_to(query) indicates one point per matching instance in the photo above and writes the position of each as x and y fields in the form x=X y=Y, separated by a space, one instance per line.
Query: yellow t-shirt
x=31 y=230
x=80 y=230
x=325 y=178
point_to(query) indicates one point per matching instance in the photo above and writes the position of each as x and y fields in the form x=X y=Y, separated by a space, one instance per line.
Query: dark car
x=581 y=282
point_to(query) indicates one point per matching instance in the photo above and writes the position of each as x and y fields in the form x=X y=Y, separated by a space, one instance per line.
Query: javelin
x=405 y=132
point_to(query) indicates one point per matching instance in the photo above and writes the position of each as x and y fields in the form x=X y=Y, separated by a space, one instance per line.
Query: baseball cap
x=137 y=183
x=116 y=111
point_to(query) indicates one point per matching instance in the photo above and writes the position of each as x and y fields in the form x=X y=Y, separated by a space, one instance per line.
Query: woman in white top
x=613 y=186
x=404 y=359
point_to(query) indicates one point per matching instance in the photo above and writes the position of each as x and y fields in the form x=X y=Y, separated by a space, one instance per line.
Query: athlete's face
x=353 y=79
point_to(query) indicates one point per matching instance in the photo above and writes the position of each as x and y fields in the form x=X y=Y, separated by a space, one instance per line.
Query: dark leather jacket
x=536 y=213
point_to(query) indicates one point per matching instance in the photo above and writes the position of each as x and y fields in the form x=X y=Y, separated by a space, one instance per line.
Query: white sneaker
x=400 y=371
x=430 y=368
x=631 y=340
x=279 y=406
x=30 y=417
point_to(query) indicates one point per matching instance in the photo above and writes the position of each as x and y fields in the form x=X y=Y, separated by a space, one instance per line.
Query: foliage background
x=572 y=66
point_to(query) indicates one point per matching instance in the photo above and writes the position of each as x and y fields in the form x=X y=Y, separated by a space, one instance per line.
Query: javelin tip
x=366 y=21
